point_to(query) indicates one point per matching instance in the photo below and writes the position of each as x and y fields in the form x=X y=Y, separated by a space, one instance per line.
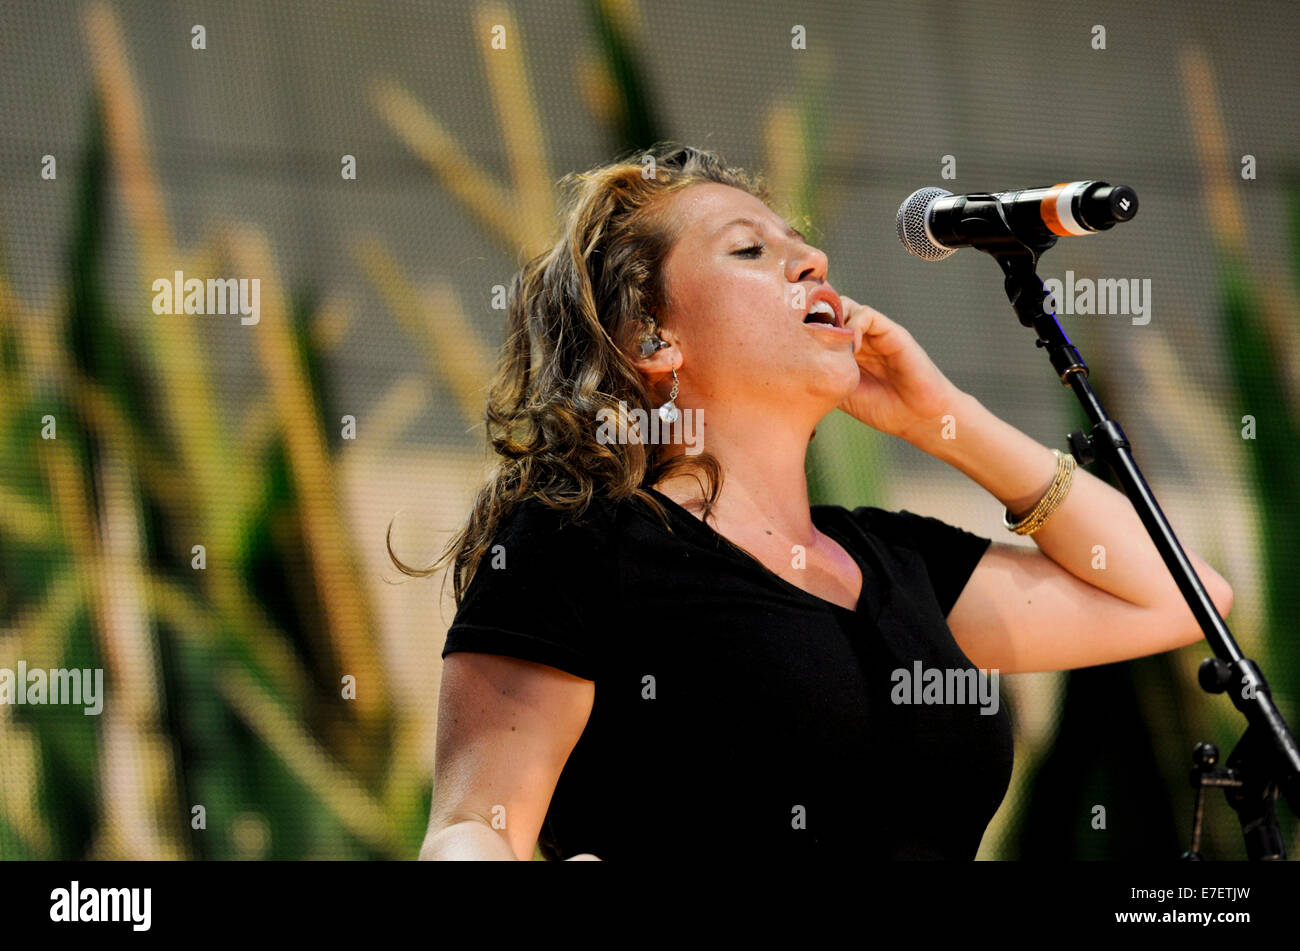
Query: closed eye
x=752 y=251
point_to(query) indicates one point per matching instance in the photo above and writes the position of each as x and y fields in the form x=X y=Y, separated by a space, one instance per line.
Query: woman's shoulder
x=908 y=543
x=543 y=588
x=591 y=527
x=900 y=527
x=537 y=521
x=541 y=550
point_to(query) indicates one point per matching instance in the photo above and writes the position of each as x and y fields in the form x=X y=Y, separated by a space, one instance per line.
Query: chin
x=839 y=383
x=848 y=375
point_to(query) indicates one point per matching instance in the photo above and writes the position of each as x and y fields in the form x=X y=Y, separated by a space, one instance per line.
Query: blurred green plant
x=226 y=734
x=1257 y=314
x=1126 y=731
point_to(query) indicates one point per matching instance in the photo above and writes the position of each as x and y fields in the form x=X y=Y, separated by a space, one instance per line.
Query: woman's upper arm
x=506 y=727
x=1021 y=612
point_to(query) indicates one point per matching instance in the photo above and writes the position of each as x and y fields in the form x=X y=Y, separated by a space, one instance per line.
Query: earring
x=668 y=412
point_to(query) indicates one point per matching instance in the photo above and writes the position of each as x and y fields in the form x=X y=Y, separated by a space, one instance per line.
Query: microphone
x=933 y=222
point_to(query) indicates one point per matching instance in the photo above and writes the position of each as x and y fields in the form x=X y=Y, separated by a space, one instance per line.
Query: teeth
x=822 y=307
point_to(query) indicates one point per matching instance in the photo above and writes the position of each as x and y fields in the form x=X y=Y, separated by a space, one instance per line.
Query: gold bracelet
x=1050 y=501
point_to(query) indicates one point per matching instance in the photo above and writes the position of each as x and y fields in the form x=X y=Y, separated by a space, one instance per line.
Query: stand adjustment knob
x=1205 y=756
x=1214 y=675
x=1081 y=447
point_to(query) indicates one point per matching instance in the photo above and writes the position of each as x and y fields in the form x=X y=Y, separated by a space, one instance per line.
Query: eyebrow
x=790 y=229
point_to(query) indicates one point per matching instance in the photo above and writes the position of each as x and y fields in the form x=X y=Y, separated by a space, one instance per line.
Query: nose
x=806 y=263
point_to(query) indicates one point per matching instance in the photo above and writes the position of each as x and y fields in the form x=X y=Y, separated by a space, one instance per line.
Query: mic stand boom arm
x=1266 y=758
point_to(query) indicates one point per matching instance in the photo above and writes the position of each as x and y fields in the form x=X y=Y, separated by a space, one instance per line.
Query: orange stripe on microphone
x=1048 y=210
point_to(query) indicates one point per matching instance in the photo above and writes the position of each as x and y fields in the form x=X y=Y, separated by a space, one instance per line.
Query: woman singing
x=660 y=645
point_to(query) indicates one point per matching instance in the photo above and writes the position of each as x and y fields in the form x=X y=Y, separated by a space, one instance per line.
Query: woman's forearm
x=1017 y=470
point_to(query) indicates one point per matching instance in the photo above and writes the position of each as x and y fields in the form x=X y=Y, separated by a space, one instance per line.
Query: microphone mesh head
x=911 y=224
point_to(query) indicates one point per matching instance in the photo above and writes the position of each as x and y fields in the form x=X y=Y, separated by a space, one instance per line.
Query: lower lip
x=842 y=332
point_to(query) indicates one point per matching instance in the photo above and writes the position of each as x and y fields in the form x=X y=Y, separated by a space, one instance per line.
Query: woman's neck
x=765 y=486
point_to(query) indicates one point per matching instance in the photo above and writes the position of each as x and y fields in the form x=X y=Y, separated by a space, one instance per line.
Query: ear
x=663 y=361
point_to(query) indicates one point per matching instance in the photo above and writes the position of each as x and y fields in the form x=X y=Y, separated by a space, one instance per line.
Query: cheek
x=732 y=321
x=740 y=304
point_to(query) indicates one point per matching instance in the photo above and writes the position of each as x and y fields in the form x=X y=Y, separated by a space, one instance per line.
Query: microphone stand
x=1266 y=759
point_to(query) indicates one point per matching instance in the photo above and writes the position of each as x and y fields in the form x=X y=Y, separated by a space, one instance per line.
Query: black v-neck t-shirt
x=735 y=714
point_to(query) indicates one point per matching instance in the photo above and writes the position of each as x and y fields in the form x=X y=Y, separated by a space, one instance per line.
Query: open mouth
x=821 y=313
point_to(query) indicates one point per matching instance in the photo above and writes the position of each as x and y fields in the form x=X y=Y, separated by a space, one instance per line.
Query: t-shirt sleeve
x=537 y=593
x=950 y=554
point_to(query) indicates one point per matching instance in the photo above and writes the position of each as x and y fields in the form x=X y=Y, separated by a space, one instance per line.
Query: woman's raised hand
x=901 y=391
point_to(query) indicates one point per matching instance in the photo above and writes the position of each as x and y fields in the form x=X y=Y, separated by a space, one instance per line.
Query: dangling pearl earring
x=668 y=412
